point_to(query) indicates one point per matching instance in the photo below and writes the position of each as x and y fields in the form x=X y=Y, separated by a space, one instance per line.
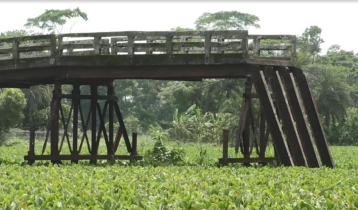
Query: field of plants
x=188 y=179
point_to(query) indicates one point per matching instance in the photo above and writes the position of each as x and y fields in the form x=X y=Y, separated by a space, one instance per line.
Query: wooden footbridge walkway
x=267 y=62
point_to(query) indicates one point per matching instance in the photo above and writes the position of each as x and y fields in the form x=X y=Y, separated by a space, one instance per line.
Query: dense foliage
x=186 y=178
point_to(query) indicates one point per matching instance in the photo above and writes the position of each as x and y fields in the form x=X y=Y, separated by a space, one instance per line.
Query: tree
x=12 y=102
x=53 y=21
x=310 y=41
x=338 y=57
x=38 y=98
x=330 y=90
x=226 y=20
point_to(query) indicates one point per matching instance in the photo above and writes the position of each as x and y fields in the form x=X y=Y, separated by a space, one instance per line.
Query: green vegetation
x=188 y=179
x=182 y=173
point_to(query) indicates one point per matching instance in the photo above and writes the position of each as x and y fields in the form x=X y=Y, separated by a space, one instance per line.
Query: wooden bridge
x=265 y=61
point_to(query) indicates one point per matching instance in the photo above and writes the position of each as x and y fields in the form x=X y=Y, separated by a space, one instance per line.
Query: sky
x=337 y=19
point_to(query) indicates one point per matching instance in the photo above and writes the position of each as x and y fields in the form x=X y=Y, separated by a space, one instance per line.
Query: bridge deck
x=189 y=54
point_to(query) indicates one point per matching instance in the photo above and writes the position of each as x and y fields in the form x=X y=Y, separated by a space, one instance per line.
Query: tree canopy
x=226 y=20
x=53 y=21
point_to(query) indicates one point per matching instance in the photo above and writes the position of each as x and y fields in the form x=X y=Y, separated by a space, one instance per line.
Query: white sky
x=338 y=20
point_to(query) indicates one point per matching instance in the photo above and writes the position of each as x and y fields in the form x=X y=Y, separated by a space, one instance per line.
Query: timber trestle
x=286 y=114
x=87 y=130
x=277 y=105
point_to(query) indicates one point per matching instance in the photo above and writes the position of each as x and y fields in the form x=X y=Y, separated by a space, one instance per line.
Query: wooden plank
x=283 y=37
x=231 y=33
x=84 y=157
x=275 y=47
x=301 y=122
x=26 y=38
x=249 y=160
x=292 y=137
x=312 y=114
x=273 y=123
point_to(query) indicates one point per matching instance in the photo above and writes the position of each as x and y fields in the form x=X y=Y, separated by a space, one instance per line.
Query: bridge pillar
x=76 y=103
x=94 y=96
x=55 y=112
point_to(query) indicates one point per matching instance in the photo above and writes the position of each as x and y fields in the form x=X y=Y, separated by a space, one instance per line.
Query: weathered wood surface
x=146 y=48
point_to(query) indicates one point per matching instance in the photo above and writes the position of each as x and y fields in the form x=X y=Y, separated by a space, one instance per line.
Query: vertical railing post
x=130 y=44
x=53 y=46
x=114 y=47
x=207 y=46
x=293 y=49
x=96 y=45
x=256 y=47
x=225 y=147
x=15 y=50
x=245 y=45
x=59 y=45
x=169 y=44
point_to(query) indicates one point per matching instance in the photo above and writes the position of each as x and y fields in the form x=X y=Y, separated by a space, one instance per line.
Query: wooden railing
x=208 y=43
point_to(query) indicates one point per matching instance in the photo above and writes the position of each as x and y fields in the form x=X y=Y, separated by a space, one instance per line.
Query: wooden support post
x=110 y=92
x=246 y=131
x=55 y=113
x=31 y=152
x=272 y=120
x=242 y=122
x=76 y=103
x=134 y=144
x=123 y=127
x=313 y=117
x=293 y=140
x=263 y=140
x=225 y=147
x=301 y=123
x=94 y=150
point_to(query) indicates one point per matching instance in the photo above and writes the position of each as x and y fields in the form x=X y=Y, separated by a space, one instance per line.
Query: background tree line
x=198 y=111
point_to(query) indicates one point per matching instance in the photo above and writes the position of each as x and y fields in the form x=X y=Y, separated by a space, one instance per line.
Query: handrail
x=135 y=43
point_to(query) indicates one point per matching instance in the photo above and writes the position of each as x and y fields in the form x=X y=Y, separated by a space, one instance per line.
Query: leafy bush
x=162 y=155
x=345 y=132
x=12 y=102
x=195 y=126
x=132 y=125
